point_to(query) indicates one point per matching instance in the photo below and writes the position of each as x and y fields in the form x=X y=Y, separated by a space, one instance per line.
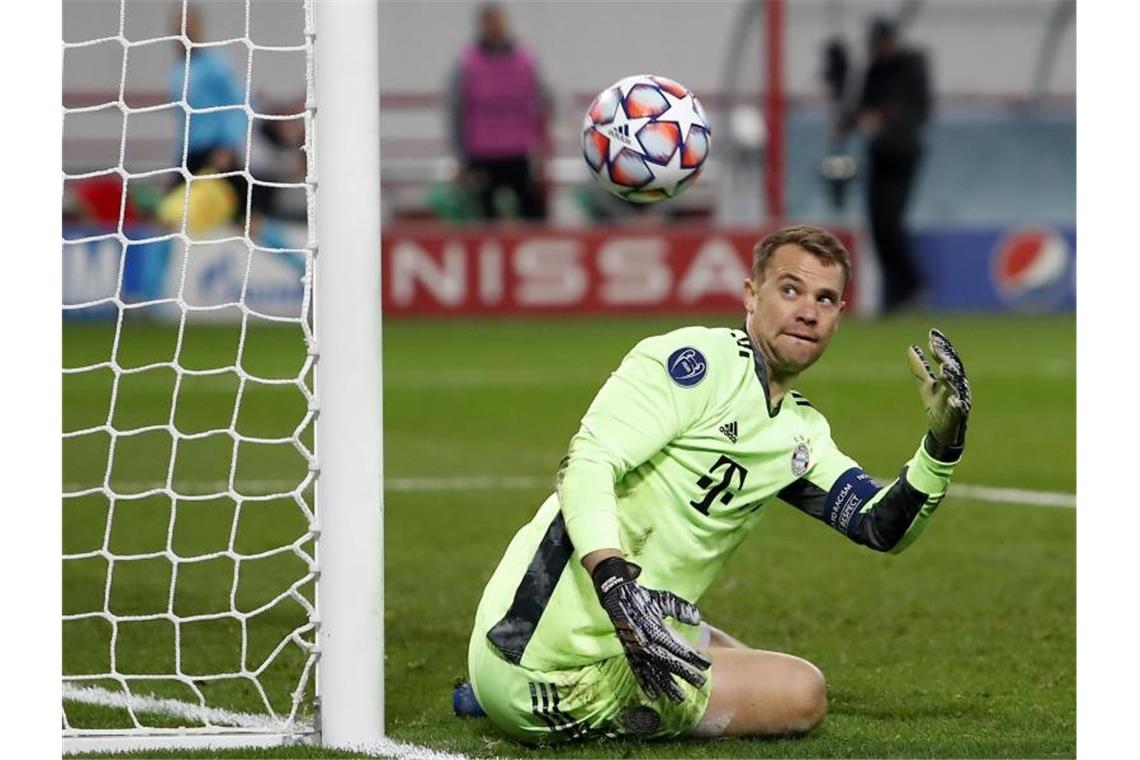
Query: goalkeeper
x=589 y=625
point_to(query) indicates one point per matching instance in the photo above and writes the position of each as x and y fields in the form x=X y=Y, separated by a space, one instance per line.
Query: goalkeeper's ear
x=749 y=293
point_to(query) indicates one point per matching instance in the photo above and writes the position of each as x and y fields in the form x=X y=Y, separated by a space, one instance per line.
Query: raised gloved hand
x=655 y=652
x=944 y=389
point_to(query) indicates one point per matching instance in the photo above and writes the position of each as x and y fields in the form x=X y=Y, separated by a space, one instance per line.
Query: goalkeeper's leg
x=718 y=638
x=760 y=693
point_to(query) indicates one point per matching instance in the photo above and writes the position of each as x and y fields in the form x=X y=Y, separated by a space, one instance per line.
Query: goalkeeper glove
x=655 y=652
x=945 y=393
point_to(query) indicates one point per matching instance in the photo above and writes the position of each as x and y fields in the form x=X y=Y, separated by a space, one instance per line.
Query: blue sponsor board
x=91 y=270
x=164 y=277
x=1030 y=269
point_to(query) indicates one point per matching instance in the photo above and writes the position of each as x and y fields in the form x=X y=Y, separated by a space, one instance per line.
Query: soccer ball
x=645 y=138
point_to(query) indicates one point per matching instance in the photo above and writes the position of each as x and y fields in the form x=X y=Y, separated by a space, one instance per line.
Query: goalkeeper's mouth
x=802 y=336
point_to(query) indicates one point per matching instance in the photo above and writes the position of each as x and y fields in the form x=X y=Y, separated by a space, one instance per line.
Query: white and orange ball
x=646 y=138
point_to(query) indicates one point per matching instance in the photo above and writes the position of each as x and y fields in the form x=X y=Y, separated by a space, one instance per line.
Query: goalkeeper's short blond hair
x=815 y=240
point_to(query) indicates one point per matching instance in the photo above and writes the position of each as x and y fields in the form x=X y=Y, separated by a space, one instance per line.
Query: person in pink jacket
x=497 y=110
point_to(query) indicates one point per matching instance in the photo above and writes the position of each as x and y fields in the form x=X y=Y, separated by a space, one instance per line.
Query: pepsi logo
x=1033 y=269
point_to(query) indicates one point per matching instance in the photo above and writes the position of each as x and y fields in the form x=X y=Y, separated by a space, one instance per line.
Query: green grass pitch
x=963 y=646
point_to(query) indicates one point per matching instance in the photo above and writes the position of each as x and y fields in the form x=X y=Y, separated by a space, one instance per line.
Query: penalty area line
x=214 y=716
x=991 y=494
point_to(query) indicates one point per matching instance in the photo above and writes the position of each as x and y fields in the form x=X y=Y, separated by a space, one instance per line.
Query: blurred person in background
x=215 y=141
x=892 y=110
x=496 y=110
x=276 y=154
x=838 y=167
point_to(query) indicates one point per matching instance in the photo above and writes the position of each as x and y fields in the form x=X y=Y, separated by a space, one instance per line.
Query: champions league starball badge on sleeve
x=687 y=366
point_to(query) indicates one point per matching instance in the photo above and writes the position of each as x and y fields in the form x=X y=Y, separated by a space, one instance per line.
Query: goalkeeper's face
x=794 y=309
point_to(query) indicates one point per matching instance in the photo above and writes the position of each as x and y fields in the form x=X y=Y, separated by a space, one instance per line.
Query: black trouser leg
x=517 y=177
x=513 y=173
x=890 y=185
x=483 y=175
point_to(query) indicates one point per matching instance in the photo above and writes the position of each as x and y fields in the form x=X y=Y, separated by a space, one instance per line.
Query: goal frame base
x=181 y=738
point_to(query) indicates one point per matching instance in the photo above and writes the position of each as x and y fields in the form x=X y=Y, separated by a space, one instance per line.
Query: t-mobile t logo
x=732 y=471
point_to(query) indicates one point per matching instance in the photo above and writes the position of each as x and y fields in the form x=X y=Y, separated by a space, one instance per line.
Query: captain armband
x=846 y=499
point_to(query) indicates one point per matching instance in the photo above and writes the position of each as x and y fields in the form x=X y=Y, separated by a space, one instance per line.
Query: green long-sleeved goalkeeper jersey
x=675 y=461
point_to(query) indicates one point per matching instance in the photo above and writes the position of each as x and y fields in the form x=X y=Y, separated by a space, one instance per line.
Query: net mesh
x=189 y=524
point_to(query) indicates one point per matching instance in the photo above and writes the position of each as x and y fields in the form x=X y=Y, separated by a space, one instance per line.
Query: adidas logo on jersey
x=729 y=430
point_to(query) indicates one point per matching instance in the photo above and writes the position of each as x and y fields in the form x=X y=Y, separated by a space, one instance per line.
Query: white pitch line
x=94 y=695
x=471 y=483
x=990 y=494
x=1014 y=496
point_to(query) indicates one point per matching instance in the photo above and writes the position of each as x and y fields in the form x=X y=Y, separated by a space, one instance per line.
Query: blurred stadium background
x=497 y=333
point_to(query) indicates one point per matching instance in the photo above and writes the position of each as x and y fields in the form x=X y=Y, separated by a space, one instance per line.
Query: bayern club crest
x=801 y=459
x=645 y=138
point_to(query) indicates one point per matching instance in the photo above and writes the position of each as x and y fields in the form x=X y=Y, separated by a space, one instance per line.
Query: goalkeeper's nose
x=807 y=312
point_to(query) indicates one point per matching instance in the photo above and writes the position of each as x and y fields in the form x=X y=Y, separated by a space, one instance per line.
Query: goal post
x=222 y=497
x=350 y=601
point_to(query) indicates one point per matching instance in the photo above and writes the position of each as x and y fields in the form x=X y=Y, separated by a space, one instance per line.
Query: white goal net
x=191 y=364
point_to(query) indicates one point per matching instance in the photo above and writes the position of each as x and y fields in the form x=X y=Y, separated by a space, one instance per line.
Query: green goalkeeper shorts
x=596 y=700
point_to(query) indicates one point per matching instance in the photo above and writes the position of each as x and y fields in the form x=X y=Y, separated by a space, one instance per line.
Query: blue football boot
x=464 y=703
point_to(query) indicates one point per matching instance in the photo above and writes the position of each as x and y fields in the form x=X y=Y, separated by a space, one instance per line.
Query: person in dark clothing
x=893 y=107
x=497 y=106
